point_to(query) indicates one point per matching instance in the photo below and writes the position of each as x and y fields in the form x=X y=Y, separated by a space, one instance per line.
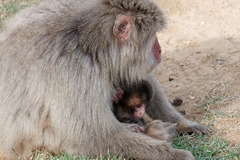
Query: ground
x=201 y=62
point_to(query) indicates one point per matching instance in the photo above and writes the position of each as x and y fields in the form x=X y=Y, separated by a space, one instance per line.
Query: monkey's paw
x=193 y=127
x=161 y=130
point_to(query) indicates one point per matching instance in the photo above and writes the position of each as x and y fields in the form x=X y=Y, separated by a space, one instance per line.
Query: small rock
x=177 y=101
x=220 y=62
x=181 y=64
x=170 y=79
x=219 y=59
x=192 y=97
x=194 y=105
x=167 y=66
x=188 y=43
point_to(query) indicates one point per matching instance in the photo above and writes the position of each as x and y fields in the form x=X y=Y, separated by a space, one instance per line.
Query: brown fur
x=59 y=61
x=161 y=130
x=132 y=96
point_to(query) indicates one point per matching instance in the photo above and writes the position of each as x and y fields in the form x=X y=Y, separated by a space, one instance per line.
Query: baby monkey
x=129 y=104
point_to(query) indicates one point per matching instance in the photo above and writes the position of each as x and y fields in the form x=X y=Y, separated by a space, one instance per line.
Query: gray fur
x=59 y=62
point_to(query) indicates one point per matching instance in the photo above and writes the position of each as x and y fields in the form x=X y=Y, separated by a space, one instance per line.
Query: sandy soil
x=201 y=57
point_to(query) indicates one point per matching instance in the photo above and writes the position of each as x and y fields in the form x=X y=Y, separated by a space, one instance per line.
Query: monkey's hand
x=140 y=128
x=135 y=127
x=161 y=130
x=191 y=127
x=171 y=130
x=118 y=95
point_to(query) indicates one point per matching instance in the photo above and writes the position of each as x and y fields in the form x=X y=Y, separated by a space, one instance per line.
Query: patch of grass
x=10 y=7
x=206 y=105
x=208 y=147
x=208 y=57
x=211 y=114
x=39 y=155
x=205 y=147
x=211 y=100
x=211 y=55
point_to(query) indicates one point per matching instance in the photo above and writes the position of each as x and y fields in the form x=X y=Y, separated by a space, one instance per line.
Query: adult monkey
x=59 y=64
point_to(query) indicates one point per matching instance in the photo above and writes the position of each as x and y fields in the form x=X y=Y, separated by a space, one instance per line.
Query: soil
x=201 y=62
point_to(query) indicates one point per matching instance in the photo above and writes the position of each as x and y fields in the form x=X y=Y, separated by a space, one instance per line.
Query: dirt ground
x=201 y=60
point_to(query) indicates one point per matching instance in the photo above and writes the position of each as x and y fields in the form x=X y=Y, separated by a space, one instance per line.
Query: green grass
x=208 y=57
x=210 y=101
x=207 y=147
x=202 y=147
x=9 y=7
x=40 y=156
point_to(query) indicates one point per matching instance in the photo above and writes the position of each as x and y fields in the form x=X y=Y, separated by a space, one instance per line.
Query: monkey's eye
x=139 y=106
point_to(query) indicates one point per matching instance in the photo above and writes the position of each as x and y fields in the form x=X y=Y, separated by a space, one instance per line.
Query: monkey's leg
x=161 y=108
x=140 y=146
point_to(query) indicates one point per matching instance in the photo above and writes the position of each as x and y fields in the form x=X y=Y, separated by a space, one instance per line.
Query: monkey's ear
x=118 y=95
x=122 y=27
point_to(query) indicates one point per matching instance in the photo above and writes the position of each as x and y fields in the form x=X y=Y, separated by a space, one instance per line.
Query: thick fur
x=59 y=61
x=161 y=130
x=131 y=97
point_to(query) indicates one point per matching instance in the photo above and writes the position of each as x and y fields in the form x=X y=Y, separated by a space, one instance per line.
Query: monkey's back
x=40 y=67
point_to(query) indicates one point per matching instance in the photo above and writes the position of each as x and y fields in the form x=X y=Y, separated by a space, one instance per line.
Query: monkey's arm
x=130 y=119
x=161 y=108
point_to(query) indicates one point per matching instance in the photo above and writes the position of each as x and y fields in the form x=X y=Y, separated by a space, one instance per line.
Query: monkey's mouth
x=157 y=51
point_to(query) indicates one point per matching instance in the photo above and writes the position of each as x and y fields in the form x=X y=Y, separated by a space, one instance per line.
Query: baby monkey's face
x=136 y=105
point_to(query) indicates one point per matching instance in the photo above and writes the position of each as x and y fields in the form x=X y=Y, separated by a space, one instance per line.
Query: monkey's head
x=134 y=98
x=122 y=37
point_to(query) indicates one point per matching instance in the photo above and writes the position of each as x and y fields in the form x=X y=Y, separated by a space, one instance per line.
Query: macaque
x=129 y=102
x=59 y=63
x=129 y=106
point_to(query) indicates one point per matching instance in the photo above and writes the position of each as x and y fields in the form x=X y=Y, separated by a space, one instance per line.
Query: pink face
x=139 y=111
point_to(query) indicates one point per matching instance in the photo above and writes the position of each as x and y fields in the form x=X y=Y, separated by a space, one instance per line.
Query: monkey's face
x=139 y=111
x=136 y=105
